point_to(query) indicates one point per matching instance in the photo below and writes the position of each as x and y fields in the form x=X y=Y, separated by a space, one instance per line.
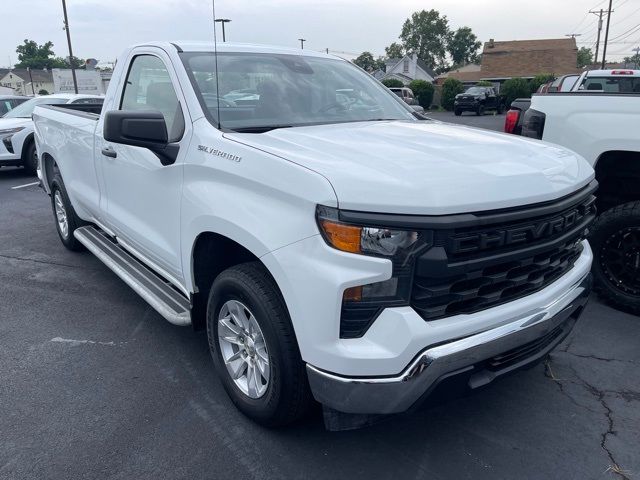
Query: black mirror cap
x=141 y=128
x=146 y=129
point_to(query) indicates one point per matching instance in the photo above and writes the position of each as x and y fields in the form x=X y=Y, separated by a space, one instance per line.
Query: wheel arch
x=212 y=253
x=48 y=165
x=26 y=143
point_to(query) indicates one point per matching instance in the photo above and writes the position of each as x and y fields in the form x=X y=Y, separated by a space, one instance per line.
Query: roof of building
x=38 y=75
x=523 y=58
x=527 y=58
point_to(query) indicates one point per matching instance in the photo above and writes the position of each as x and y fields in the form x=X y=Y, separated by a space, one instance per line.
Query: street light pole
x=66 y=27
x=302 y=40
x=223 y=21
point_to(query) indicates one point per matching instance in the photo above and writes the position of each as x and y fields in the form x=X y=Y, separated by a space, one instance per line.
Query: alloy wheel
x=243 y=349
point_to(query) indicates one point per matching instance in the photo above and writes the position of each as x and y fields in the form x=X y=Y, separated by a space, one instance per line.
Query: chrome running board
x=157 y=292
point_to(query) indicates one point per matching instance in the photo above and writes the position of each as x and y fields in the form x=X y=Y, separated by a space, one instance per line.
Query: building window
x=405 y=67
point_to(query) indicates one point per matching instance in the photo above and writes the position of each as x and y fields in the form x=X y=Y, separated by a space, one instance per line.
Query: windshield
x=25 y=110
x=476 y=90
x=612 y=84
x=260 y=91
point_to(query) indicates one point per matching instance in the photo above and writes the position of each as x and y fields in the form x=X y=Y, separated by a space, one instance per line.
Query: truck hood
x=430 y=168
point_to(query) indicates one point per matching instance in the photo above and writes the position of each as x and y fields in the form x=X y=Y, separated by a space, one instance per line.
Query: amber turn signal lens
x=353 y=294
x=341 y=236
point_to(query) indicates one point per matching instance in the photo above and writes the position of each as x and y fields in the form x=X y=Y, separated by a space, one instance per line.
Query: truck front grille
x=500 y=256
x=492 y=285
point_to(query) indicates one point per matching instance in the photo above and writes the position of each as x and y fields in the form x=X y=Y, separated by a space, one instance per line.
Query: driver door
x=142 y=201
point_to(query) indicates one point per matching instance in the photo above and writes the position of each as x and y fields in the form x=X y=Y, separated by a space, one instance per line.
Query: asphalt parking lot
x=95 y=384
x=490 y=120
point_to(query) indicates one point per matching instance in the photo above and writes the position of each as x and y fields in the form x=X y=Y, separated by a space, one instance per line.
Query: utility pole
x=223 y=21
x=302 y=40
x=606 y=37
x=595 y=60
x=636 y=56
x=31 y=80
x=66 y=27
x=573 y=35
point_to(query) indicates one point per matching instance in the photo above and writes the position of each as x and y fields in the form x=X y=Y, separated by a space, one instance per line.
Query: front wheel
x=480 y=110
x=65 y=216
x=30 y=160
x=457 y=112
x=616 y=247
x=254 y=347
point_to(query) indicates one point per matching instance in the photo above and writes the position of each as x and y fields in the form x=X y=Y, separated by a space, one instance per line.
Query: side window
x=149 y=87
x=88 y=101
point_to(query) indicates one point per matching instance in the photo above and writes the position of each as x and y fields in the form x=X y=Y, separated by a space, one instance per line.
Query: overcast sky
x=103 y=28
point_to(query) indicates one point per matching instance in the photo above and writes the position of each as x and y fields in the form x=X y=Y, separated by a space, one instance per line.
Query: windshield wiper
x=259 y=128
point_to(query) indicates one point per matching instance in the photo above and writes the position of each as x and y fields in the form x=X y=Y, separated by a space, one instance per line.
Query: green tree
x=35 y=56
x=463 y=46
x=423 y=91
x=515 y=88
x=366 y=61
x=395 y=50
x=427 y=34
x=540 y=79
x=450 y=88
x=633 y=61
x=392 y=83
x=585 y=57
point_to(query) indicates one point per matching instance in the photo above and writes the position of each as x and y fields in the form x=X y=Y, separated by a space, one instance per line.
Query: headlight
x=9 y=131
x=362 y=304
x=366 y=240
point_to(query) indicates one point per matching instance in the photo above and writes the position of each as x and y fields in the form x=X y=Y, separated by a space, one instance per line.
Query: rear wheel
x=616 y=246
x=254 y=348
x=30 y=158
x=65 y=216
x=480 y=110
x=457 y=112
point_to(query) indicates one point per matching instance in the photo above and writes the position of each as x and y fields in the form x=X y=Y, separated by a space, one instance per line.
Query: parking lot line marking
x=25 y=185
x=80 y=342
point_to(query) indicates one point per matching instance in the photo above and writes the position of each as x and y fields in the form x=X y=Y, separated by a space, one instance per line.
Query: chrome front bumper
x=483 y=356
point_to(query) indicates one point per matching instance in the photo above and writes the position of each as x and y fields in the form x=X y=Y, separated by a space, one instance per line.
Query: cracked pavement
x=94 y=384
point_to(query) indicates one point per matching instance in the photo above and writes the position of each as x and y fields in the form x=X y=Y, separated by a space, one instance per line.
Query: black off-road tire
x=457 y=112
x=288 y=397
x=30 y=158
x=480 y=110
x=73 y=221
x=615 y=240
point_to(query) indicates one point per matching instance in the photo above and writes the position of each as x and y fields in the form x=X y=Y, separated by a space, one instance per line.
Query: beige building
x=20 y=81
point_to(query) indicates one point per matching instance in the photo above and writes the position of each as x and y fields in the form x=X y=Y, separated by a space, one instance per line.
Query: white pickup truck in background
x=605 y=129
x=331 y=242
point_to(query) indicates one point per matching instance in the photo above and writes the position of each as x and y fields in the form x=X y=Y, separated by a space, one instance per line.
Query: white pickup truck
x=333 y=245
x=604 y=129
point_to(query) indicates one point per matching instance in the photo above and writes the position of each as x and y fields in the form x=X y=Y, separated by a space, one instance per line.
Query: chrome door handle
x=109 y=152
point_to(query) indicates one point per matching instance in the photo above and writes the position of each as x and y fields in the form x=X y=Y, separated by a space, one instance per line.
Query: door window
x=149 y=87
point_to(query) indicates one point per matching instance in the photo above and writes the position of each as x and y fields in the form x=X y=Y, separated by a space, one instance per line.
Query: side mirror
x=146 y=129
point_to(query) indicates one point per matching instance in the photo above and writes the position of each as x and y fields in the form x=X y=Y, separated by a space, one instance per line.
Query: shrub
x=515 y=88
x=540 y=79
x=392 y=83
x=450 y=88
x=423 y=91
x=484 y=83
x=43 y=92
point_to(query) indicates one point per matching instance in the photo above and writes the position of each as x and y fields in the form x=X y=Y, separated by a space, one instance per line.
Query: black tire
x=30 y=158
x=615 y=240
x=457 y=112
x=73 y=221
x=480 y=110
x=500 y=109
x=287 y=397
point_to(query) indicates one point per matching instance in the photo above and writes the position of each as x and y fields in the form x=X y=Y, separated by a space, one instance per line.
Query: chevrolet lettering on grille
x=520 y=234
